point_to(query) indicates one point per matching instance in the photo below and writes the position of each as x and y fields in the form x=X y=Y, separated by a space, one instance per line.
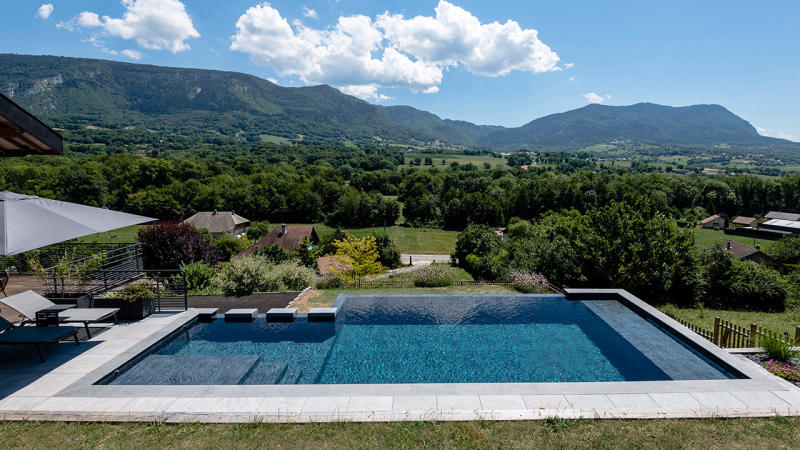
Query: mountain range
x=76 y=93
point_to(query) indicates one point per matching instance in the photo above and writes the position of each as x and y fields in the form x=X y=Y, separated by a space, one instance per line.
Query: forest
x=351 y=187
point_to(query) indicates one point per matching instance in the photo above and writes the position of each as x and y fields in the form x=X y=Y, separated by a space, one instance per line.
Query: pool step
x=281 y=314
x=188 y=369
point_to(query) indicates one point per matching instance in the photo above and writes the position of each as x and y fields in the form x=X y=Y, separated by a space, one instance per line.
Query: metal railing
x=50 y=256
x=170 y=286
x=115 y=264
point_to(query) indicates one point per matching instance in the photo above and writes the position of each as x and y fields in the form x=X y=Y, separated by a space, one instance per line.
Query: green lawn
x=127 y=234
x=425 y=241
x=319 y=298
x=477 y=160
x=461 y=274
x=780 y=322
x=778 y=432
x=704 y=237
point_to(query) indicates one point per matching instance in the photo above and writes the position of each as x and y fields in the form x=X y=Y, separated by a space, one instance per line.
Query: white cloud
x=154 y=24
x=132 y=54
x=310 y=13
x=571 y=78
x=591 y=97
x=272 y=80
x=455 y=37
x=361 y=55
x=608 y=96
x=777 y=134
x=44 y=11
x=364 y=92
x=569 y=65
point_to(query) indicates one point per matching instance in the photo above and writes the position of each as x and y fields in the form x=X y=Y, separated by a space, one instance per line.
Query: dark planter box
x=77 y=300
x=128 y=310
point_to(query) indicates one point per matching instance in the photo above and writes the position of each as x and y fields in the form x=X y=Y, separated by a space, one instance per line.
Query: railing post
x=185 y=292
x=797 y=335
x=716 y=331
x=753 y=331
x=158 y=292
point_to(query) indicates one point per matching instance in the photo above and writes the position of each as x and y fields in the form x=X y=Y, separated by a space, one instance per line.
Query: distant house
x=716 y=221
x=746 y=253
x=285 y=237
x=219 y=223
x=743 y=221
x=778 y=215
x=782 y=226
x=714 y=172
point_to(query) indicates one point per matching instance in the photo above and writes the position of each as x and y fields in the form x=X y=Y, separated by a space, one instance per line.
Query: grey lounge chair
x=29 y=303
x=38 y=336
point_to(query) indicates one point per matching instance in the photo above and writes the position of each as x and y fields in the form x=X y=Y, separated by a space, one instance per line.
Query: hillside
x=688 y=125
x=71 y=92
x=89 y=97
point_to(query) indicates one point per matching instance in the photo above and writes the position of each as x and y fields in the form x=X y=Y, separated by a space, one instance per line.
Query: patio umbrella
x=28 y=222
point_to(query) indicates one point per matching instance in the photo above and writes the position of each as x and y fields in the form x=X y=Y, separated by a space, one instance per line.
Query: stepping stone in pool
x=241 y=314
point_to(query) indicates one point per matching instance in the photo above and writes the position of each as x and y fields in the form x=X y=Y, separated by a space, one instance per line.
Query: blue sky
x=499 y=62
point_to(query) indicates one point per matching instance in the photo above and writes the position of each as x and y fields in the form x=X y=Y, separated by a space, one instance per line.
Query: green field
x=425 y=241
x=780 y=322
x=705 y=237
x=777 y=432
x=127 y=234
x=460 y=274
x=477 y=160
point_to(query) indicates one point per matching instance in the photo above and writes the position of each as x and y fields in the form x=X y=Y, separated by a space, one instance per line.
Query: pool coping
x=758 y=395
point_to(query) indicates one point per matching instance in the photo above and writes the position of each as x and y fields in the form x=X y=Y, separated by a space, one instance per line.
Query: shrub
x=777 y=349
x=256 y=274
x=529 y=282
x=134 y=292
x=670 y=310
x=328 y=281
x=199 y=276
x=258 y=230
x=734 y=284
x=388 y=253
x=434 y=275
x=783 y=370
x=168 y=245
x=227 y=246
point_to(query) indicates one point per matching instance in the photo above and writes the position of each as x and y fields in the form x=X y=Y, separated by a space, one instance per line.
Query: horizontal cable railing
x=170 y=286
x=50 y=256
x=108 y=267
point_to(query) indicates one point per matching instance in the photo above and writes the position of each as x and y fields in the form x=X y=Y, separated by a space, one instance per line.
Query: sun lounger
x=29 y=303
x=38 y=336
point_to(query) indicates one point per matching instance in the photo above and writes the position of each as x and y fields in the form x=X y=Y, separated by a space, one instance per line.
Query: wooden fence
x=729 y=335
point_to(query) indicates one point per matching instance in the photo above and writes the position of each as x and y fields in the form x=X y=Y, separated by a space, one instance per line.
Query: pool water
x=430 y=339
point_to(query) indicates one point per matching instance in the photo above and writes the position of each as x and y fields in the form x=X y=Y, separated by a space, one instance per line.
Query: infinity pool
x=428 y=339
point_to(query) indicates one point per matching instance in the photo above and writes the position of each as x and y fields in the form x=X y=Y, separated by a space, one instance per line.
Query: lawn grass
x=320 y=298
x=127 y=234
x=704 y=237
x=776 y=432
x=460 y=274
x=476 y=160
x=424 y=241
x=781 y=322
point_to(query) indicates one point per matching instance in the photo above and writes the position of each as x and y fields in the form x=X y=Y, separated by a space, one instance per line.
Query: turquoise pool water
x=430 y=339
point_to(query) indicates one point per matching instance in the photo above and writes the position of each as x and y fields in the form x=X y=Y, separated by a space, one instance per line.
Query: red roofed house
x=285 y=237
x=716 y=221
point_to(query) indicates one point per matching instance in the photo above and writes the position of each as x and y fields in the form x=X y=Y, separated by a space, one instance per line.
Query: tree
x=787 y=249
x=388 y=253
x=168 y=245
x=358 y=257
x=733 y=284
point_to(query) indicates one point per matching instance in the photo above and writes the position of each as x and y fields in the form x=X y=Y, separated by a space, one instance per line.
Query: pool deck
x=63 y=389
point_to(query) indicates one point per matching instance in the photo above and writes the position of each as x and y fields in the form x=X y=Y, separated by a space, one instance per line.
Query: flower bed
x=783 y=370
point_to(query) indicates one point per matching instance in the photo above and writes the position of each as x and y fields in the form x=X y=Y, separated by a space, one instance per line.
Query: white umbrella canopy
x=29 y=222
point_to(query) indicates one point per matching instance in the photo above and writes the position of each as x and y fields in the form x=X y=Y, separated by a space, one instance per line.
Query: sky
x=500 y=62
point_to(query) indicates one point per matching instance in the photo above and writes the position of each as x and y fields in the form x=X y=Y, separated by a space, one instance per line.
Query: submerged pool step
x=188 y=369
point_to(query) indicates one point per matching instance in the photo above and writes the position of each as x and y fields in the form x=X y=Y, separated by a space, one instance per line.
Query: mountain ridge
x=81 y=92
